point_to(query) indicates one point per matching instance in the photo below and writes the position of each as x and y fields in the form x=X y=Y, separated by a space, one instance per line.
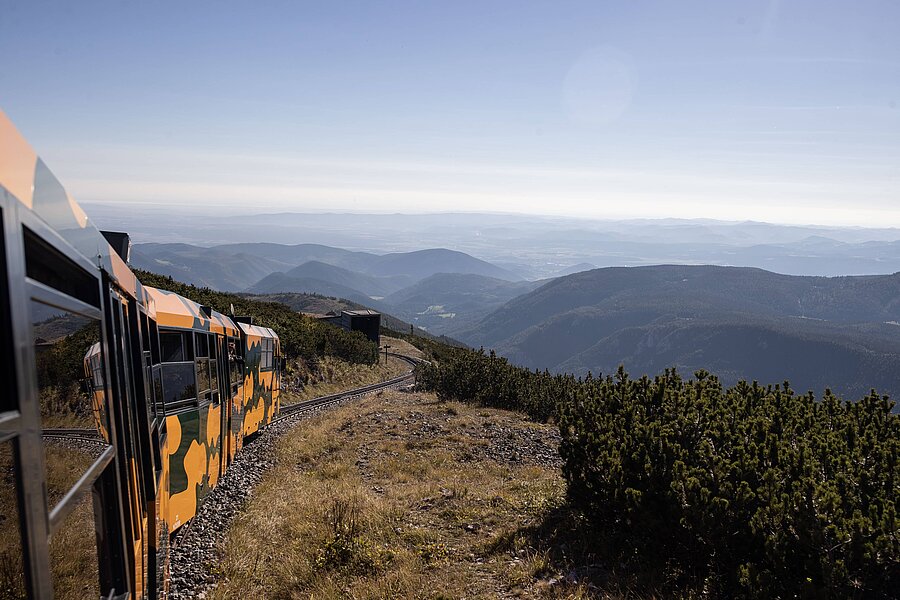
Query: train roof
x=25 y=176
x=173 y=310
x=258 y=331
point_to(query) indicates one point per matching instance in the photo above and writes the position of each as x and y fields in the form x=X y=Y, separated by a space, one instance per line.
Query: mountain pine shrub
x=750 y=491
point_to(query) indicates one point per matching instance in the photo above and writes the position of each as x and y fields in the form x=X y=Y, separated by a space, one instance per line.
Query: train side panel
x=262 y=361
x=199 y=386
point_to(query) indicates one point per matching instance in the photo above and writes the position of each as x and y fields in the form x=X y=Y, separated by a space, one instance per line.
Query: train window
x=178 y=379
x=12 y=581
x=156 y=376
x=266 y=353
x=203 y=378
x=175 y=346
x=234 y=360
x=94 y=365
x=71 y=393
x=69 y=366
x=201 y=344
x=201 y=350
x=178 y=385
x=145 y=333
x=147 y=363
x=154 y=342
x=49 y=266
x=213 y=369
x=158 y=397
x=73 y=553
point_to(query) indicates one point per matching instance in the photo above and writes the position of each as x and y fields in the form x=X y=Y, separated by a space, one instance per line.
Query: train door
x=153 y=433
x=130 y=407
x=225 y=398
x=208 y=411
x=60 y=523
x=159 y=438
x=236 y=393
x=279 y=372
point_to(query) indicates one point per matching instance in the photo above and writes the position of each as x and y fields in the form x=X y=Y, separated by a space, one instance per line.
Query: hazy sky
x=785 y=111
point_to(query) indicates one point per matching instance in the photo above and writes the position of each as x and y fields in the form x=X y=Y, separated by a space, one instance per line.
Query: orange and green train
x=173 y=387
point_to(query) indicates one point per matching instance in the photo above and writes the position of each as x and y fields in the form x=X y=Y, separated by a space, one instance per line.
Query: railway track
x=288 y=412
x=74 y=433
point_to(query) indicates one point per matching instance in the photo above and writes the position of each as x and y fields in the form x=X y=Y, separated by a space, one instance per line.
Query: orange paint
x=17 y=162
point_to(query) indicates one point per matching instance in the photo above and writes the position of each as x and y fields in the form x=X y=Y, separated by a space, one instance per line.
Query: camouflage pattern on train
x=172 y=387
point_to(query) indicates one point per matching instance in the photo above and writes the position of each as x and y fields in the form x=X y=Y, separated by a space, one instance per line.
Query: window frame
x=187 y=343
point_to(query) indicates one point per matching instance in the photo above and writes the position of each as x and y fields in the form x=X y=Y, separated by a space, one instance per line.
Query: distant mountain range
x=439 y=290
x=237 y=267
x=740 y=323
x=532 y=247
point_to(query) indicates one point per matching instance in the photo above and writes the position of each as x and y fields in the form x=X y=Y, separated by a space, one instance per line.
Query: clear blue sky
x=771 y=110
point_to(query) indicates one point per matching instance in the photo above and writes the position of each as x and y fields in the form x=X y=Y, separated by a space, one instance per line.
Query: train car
x=261 y=349
x=172 y=387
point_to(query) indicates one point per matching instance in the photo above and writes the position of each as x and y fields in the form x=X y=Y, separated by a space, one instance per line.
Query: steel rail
x=322 y=401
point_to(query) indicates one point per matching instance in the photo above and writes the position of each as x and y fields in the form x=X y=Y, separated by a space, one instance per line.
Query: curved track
x=74 y=433
x=289 y=411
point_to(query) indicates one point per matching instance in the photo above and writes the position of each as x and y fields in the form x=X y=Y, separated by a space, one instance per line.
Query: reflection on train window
x=73 y=553
x=213 y=369
x=179 y=388
x=69 y=368
x=12 y=583
x=234 y=365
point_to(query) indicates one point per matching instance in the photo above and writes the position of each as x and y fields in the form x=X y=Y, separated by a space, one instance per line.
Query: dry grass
x=73 y=553
x=383 y=499
x=335 y=375
x=401 y=347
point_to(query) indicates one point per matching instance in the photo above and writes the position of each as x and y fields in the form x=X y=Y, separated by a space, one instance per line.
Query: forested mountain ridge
x=842 y=299
x=743 y=323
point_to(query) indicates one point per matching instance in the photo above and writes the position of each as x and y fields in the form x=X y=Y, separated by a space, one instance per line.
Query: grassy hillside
x=402 y=497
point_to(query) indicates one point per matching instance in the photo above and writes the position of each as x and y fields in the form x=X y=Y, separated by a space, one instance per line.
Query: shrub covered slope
x=301 y=336
x=746 y=491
